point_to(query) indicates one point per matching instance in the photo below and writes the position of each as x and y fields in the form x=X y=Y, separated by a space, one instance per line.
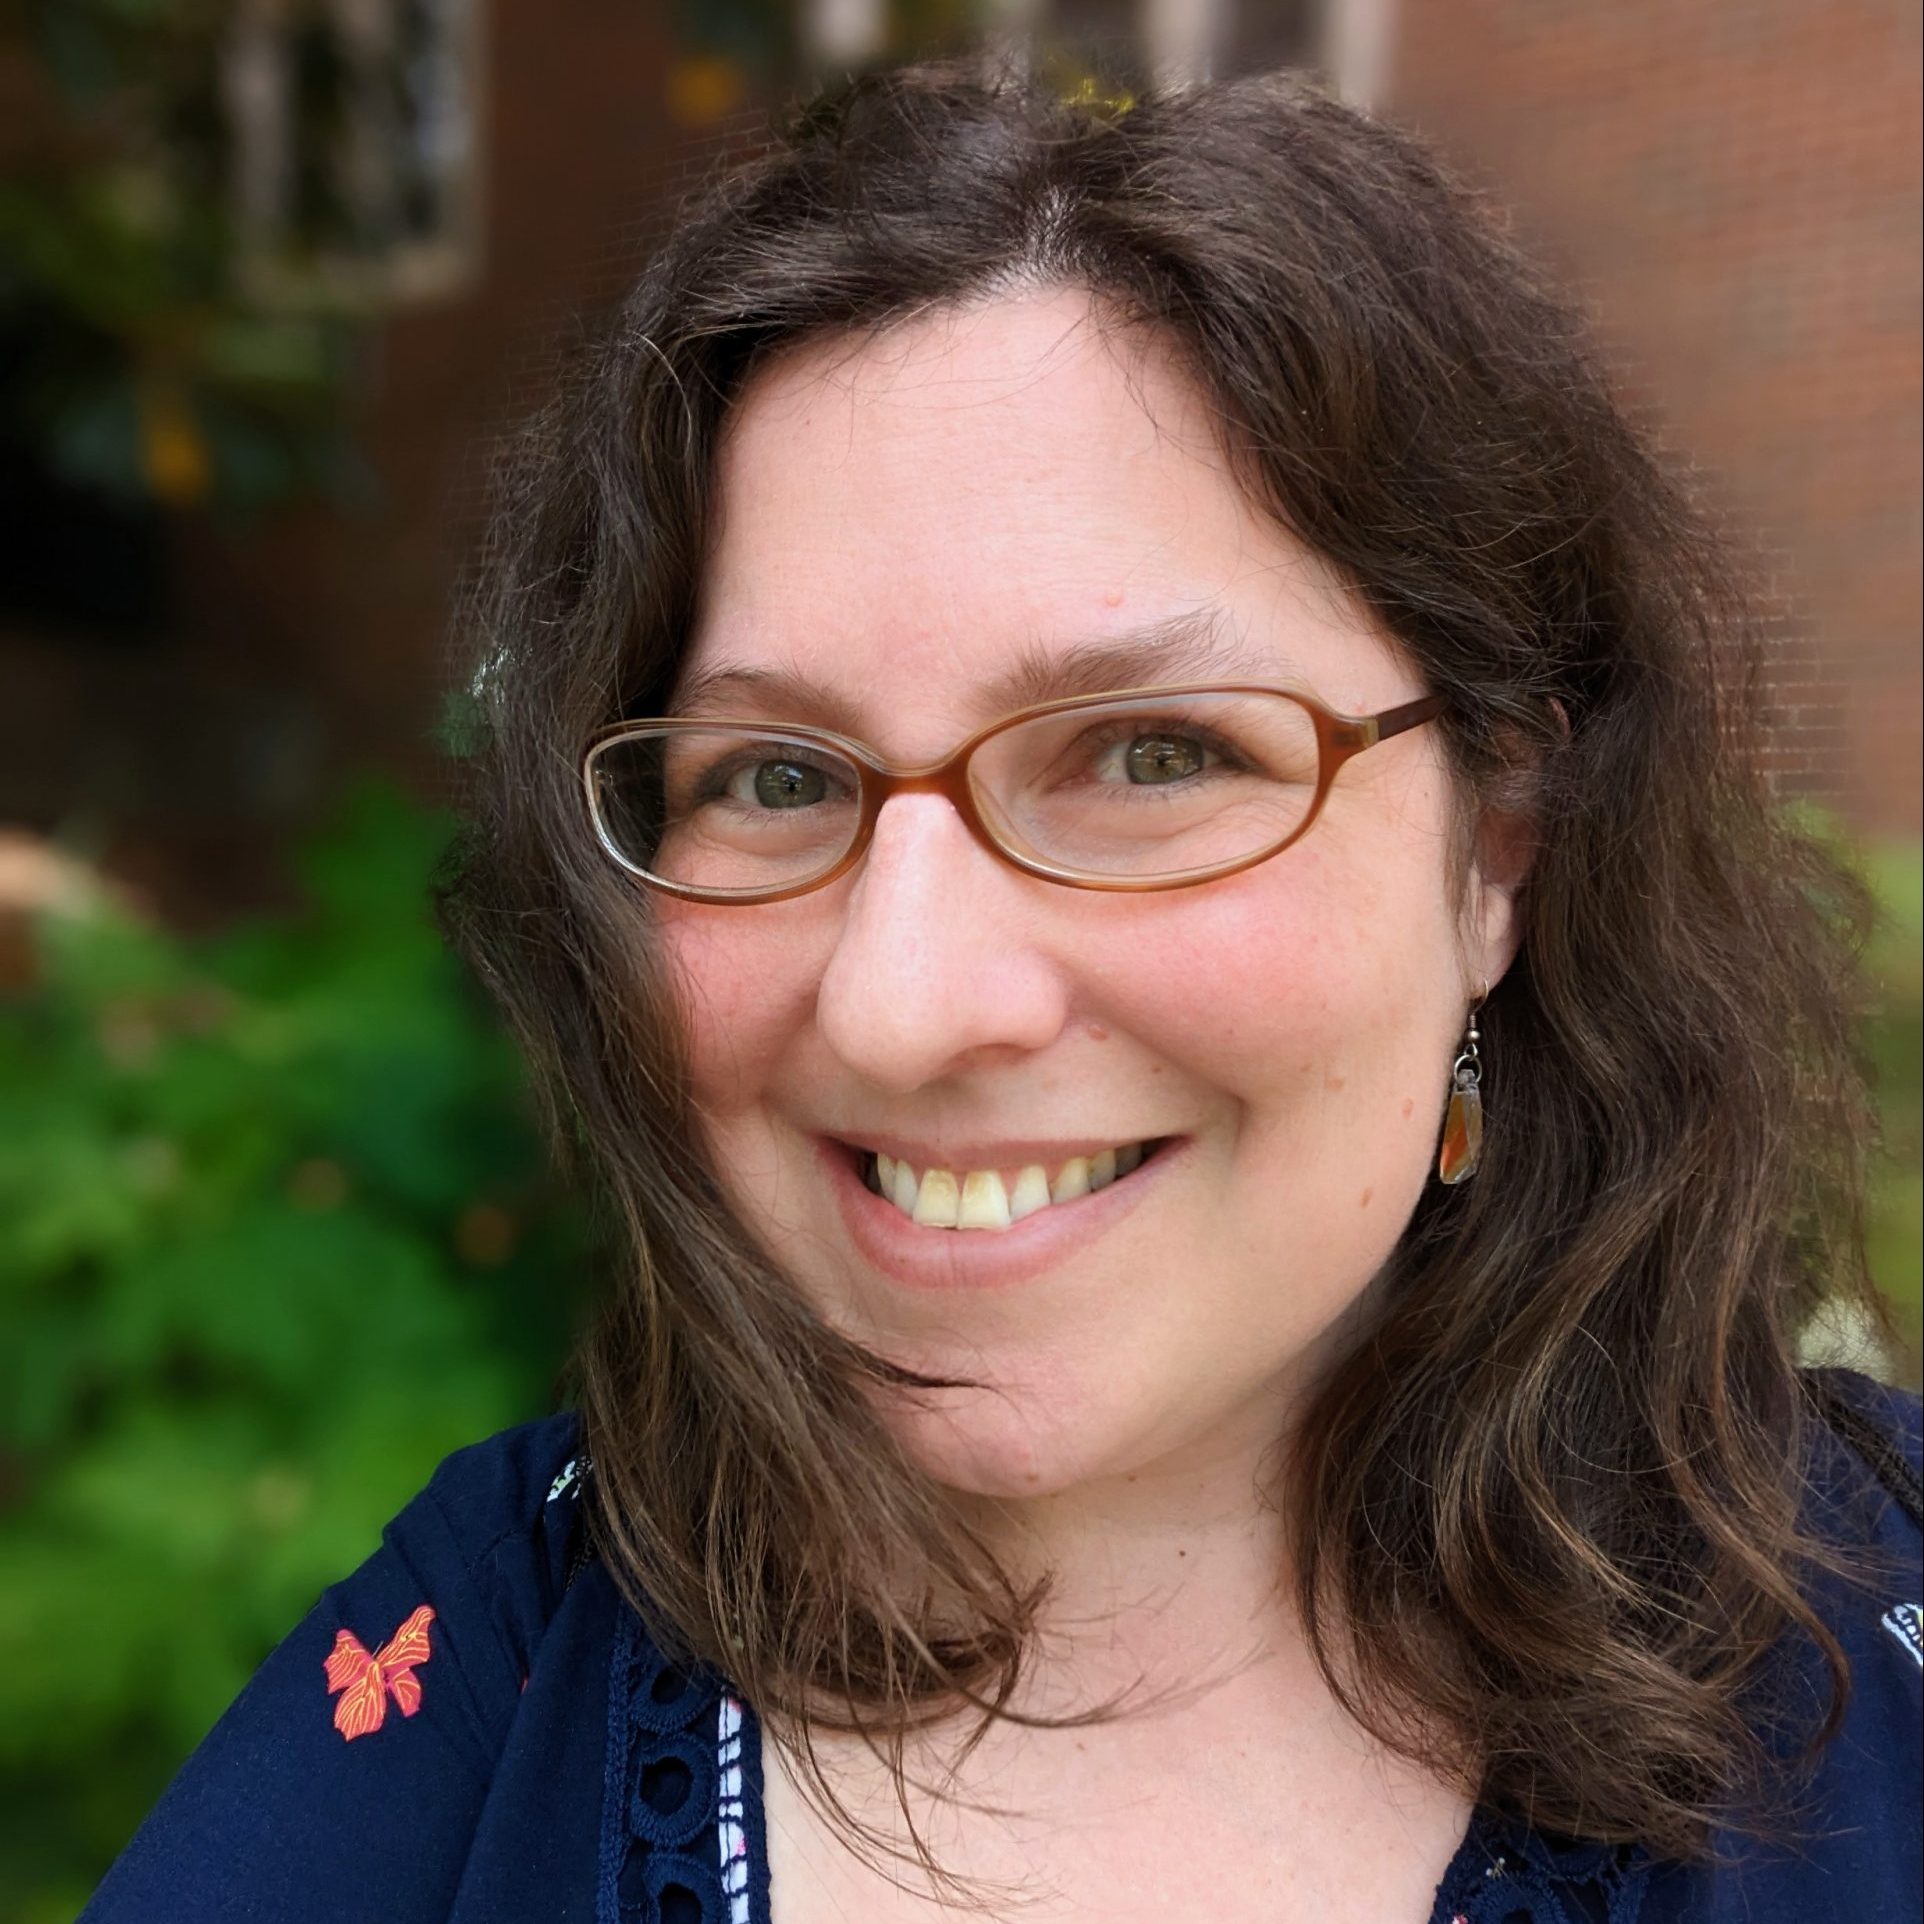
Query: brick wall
x=1734 y=187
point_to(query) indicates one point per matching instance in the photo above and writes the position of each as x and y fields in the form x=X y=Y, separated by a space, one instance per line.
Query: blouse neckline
x=684 y=1823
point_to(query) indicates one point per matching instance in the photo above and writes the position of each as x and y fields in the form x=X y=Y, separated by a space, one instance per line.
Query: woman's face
x=901 y=522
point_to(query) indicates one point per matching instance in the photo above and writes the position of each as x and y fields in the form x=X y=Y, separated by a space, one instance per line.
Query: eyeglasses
x=1146 y=788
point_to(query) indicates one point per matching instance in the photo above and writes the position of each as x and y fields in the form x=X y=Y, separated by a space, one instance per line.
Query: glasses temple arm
x=1393 y=721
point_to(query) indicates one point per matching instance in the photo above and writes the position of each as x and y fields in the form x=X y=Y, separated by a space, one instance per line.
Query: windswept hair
x=1547 y=1509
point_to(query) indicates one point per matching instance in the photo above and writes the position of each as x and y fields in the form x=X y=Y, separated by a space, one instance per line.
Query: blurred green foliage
x=275 y=1236
x=1895 y=1045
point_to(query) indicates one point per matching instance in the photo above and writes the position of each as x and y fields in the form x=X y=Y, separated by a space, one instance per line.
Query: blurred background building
x=304 y=257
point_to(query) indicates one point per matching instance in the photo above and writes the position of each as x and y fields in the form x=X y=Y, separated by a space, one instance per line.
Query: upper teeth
x=982 y=1199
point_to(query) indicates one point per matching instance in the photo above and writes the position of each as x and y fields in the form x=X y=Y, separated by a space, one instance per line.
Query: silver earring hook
x=1467 y=1070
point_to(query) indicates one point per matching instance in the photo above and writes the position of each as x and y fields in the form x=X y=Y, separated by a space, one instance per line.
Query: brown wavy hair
x=1547 y=1509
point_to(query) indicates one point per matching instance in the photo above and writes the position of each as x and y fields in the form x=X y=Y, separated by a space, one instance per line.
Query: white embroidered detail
x=566 y=1477
x=733 y=1826
x=1905 y=1622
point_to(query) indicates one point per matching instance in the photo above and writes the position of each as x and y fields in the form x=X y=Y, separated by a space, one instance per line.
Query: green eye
x=788 y=784
x=1163 y=758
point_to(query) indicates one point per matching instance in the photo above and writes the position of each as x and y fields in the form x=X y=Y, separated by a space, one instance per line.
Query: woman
x=1122 y=816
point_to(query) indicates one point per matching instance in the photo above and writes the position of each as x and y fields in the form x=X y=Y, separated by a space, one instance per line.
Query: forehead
x=906 y=519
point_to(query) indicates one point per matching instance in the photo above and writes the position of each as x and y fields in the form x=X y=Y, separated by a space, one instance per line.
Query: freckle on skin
x=1097 y=1033
x=1363 y=1201
x=1334 y=1083
x=1409 y=1107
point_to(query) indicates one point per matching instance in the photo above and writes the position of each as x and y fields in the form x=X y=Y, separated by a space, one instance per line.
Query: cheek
x=742 y=991
x=1316 y=1007
x=1279 y=976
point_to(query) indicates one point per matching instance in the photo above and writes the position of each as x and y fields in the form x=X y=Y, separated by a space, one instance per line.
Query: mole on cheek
x=1363 y=1201
x=1409 y=1107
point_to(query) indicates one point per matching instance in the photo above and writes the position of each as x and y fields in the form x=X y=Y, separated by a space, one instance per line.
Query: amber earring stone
x=1462 y=1134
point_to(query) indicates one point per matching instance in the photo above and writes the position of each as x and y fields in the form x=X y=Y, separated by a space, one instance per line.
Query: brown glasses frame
x=1338 y=738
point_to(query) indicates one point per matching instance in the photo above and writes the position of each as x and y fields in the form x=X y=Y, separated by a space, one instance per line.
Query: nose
x=937 y=968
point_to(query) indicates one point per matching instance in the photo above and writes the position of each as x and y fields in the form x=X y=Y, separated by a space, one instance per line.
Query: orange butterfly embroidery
x=367 y=1680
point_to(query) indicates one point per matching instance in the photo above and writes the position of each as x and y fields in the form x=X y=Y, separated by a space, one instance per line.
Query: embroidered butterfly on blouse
x=367 y=1680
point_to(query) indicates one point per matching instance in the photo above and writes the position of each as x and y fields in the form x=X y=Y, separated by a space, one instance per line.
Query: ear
x=1506 y=847
x=1504 y=851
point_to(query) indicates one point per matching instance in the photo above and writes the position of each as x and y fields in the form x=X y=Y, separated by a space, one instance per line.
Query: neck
x=1171 y=1576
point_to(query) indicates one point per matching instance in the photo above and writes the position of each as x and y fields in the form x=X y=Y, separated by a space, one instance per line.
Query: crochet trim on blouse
x=676 y=1813
x=682 y=1831
x=1504 y=1874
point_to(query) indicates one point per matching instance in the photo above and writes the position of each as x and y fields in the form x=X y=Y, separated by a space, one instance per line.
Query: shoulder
x=382 y=1716
x=512 y=1464
x=520 y=1482
x=496 y=1524
x=1854 y=1848
x=1865 y=1794
x=1866 y=1473
x=1896 y=1414
x=1865 y=1496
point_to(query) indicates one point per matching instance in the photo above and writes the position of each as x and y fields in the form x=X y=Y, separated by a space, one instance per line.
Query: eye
x=778 y=784
x=1125 y=754
x=1160 y=758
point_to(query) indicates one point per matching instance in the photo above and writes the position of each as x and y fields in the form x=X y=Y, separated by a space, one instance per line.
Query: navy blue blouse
x=473 y=1727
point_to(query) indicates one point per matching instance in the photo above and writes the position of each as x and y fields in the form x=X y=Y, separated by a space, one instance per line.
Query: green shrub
x=275 y=1236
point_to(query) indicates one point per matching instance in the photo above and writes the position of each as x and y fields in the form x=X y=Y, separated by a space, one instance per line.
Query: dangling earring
x=1463 y=1127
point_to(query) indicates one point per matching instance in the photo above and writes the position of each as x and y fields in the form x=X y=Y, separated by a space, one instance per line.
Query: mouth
x=995 y=1200
x=934 y=1255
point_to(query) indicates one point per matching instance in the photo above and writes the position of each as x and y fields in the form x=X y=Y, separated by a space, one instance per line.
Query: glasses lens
x=1154 y=786
x=724 y=808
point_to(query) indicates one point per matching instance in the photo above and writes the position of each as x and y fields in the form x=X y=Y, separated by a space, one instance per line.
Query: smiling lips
x=993 y=1198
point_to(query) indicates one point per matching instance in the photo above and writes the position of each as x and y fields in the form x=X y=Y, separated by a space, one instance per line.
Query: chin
x=990 y=1442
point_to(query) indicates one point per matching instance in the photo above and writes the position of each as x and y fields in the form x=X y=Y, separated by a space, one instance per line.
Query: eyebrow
x=1193 y=645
